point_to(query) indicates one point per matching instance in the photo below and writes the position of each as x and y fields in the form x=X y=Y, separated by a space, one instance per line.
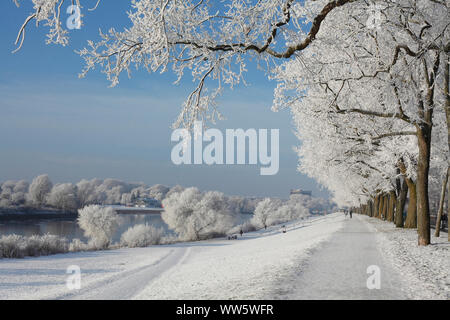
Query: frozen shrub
x=141 y=235
x=32 y=246
x=51 y=244
x=45 y=245
x=12 y=246
x=15 y=246
x=169 y=239
x=77 y=245
x=248 y=226
x=99 y=224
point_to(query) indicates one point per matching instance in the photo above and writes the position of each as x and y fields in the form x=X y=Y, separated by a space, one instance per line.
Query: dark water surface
x=68 y=227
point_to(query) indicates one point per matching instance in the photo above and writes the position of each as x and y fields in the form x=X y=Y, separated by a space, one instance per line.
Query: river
x=68 y=227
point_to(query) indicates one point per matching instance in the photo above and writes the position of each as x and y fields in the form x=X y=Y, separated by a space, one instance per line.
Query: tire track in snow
x=127 y=284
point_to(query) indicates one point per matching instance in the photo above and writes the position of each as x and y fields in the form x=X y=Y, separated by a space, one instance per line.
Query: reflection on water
x=69 y=228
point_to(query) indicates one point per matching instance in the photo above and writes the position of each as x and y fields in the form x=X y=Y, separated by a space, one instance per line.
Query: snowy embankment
x=426 y=269
x=250 y=267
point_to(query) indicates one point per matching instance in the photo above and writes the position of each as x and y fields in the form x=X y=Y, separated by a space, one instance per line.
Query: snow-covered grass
x=427 y=269
x=246 y=268
x=45 y=277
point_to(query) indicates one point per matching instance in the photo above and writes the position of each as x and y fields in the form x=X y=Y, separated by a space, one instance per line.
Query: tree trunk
x=400 y=206
x=385 y=206
x=392 y=201
x=375 y=206
x=380 y=207
x=411 y=216
x=423 y=168
x=447 y=112
x=441 y=205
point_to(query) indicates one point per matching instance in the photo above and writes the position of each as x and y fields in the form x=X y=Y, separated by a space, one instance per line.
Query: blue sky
x=52 y=122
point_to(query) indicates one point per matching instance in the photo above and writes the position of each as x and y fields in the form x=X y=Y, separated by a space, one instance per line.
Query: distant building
x=302 y=192
x=147 y=203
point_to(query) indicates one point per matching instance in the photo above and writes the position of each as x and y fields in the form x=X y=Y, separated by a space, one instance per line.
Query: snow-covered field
x=321 y=257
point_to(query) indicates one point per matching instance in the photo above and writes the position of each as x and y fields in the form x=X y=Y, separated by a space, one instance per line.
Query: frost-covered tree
x=111 y=190
x=331 y=41
x=158 y=191
x=21 y=186
x=195 y=215
x=205 y=38
x=264 y=210
x=63 y=196
x=13 y=193
x=175 y=189
x=108 y=191
x=272 y=211
x=127 y=198
x=99 y=224
x=39 y=189
x=19 y=198
x=391 y=76
x=86 y=192
x=242 y=205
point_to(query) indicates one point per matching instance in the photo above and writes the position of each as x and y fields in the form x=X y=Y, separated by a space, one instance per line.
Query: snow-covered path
x=338 y=269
